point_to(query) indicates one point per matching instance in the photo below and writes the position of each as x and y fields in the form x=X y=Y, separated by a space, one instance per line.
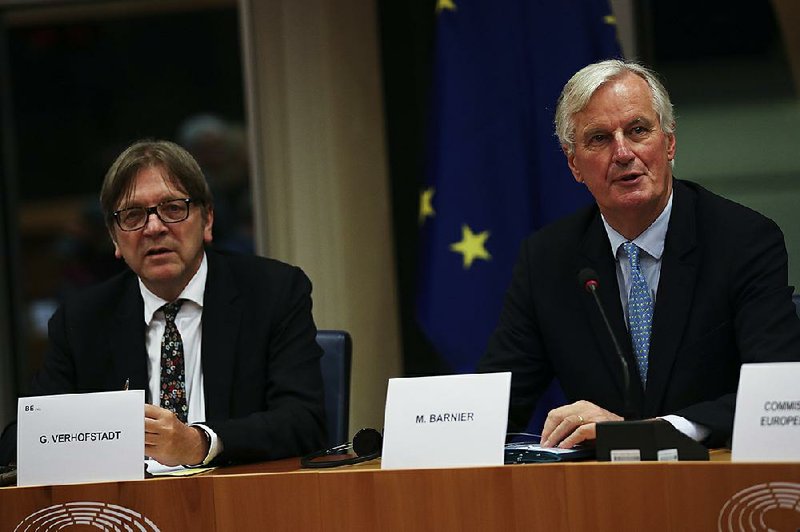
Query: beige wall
x=626 y=28
x=321 y=187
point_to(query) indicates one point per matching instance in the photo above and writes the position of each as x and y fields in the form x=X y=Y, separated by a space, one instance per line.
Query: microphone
x=587 y=278
x=617 y=439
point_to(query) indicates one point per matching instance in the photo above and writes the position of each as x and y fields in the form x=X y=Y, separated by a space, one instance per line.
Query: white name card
x=767 y=423
x=446 y=421
x=90 y=437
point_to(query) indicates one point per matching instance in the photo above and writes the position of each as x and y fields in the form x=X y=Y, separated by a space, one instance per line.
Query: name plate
x=446 y=421
x=91 y=437
x=767 y=423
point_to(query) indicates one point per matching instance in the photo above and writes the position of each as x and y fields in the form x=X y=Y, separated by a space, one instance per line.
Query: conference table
x=580 y=496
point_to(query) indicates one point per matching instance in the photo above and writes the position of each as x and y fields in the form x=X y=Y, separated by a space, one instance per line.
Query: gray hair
x=180 y=167
x=582 y=86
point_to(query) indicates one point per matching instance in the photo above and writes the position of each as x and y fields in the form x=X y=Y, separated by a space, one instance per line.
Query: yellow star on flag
x=426 y=204
x=441 y=5
x=472 y=246
x=610 y=20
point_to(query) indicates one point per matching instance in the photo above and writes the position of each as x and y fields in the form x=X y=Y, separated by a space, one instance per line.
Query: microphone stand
x=629 y=413
x=636 y=440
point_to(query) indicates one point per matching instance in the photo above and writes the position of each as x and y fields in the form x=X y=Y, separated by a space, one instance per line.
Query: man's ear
x=208 y=223
x=671 y=146
x=111 y=235
x=571 y=163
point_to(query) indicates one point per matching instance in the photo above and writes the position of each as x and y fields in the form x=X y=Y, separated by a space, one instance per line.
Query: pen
x=127 y=382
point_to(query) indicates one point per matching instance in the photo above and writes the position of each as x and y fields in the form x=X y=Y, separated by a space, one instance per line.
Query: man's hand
x=171 y=442
x=569 y=425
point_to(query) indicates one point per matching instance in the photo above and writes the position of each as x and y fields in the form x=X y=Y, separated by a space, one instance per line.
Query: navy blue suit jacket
x=262 y=381
x=723 y=300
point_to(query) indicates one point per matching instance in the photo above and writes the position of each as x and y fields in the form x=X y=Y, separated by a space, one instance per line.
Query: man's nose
x=153 y=224
x=622 y=150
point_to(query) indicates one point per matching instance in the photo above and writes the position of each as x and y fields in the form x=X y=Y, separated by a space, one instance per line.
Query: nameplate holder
x=92 y=437
x=446 y=421
x=766 y=427
x=645 y=440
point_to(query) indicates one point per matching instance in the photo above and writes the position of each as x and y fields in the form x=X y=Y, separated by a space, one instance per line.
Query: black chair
x=337 y=350
x=796 y=299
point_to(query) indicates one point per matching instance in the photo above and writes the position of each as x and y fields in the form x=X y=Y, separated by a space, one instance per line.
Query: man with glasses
x=223 y=345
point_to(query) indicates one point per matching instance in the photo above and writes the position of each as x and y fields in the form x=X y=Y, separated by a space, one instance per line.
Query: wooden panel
x=681 y=497
x=540 y=496
x=18 y=503
x=445 y=500
x=702 y=494
x=501 y=498
x=275 y=502
x=173 y=504
x=615 y=497
x=671 y=496
x=348 y=501
x=169 y=504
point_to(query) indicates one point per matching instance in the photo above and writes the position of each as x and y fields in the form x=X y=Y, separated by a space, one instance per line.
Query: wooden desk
x=650 y=497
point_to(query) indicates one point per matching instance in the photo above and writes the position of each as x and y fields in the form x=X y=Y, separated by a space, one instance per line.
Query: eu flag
x=495 y=171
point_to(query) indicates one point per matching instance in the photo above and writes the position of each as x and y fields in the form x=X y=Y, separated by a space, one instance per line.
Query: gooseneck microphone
x=647 y=437
x=587 y=278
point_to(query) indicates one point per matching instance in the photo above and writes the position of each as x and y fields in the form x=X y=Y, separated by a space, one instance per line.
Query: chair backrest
x=796 y=299
x=337 y=350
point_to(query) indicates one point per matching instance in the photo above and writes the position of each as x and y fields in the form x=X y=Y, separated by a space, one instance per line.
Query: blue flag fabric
x=495 y=171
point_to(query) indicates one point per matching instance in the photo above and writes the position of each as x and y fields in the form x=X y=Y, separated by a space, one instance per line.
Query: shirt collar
x=194 y=292
x=651 y=241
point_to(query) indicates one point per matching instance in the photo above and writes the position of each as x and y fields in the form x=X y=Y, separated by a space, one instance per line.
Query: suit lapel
x=675 y=293
x=221 y=319
x=596 y=250
x=126 y=339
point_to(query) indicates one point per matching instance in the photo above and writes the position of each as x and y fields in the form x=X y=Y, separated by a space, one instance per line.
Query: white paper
x=446 y=421
x=80 y=438
x=766 y=427
x=155 y=468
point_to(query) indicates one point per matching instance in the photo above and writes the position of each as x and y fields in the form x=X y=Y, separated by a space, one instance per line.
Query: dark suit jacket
x=723 y=300
x=260 y=359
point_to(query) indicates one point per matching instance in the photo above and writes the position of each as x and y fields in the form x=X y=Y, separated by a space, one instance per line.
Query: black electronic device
x=645 y=440
x=524 y=448
x=8 y=475
x=367 y=445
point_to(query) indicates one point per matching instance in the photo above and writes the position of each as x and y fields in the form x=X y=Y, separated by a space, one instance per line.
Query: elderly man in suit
x=694 y=285
x=223 y=345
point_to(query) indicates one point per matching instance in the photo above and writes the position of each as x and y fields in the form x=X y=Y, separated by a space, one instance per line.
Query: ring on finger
x=580 y=419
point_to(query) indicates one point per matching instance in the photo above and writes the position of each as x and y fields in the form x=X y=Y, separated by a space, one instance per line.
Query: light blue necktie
x=640 y=311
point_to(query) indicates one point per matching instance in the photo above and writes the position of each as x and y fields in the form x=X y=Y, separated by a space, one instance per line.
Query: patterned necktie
x=173 y=382
x=640 y=311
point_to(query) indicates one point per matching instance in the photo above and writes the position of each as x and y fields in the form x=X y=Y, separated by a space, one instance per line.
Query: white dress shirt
x=189 y=322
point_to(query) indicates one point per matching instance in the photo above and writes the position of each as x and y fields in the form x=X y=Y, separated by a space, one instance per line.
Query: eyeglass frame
x=153 y=209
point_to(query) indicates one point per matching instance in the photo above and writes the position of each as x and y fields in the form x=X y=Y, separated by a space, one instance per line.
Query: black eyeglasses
x=169 y=212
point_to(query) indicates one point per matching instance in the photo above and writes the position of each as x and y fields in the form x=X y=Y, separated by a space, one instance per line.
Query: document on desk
x=72 y=438
x=158 y=469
